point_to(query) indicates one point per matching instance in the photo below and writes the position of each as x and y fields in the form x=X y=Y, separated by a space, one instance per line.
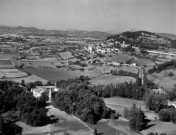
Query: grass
x=120 y=58
x=5 y=62
x=163 y=80
x=31 y=78
x=52 y=74
x=119 y=104
x=11 y=73
x=108 y=79
x=161 y=127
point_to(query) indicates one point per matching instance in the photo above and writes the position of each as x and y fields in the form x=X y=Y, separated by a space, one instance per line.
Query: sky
x=100 y=15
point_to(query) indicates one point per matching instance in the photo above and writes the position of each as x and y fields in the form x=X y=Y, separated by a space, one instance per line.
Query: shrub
x=164 y=115
x=170 y=74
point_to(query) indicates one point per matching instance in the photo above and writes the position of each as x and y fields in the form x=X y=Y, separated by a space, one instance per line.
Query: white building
x=39 y=90
x=124 y=44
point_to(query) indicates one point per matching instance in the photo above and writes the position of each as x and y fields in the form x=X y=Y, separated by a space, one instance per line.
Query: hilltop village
x=121 y=83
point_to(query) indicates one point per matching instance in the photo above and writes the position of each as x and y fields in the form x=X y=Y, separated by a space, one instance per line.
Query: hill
x=168 y=35
x=143 y=39
x=40 y=32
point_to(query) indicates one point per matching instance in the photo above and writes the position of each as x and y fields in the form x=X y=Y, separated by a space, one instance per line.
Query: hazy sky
x=103 y=15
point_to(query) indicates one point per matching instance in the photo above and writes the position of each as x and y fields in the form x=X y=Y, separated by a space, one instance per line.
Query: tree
x=95 y=132
x=164 y=114
x=1 y=125
x=136 y=119
x=22 y=82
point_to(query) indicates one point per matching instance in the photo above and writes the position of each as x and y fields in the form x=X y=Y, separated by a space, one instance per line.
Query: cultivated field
x=51 y=73
x=11 y=73
x=27 y=79
x=36 y=64
x=97 y=77
x=6 y=63
x=120 y=57
x=161 y=127
x=119 y=104
x=163 y=79
x=108 y=79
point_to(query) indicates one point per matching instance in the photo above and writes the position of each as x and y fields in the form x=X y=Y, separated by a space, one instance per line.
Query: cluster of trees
x=164 y=66
x=32 y=110
x=126 y=90
x=129 y=49
x=80 y=101
x=136 y=118
x=125 y=73
x=149 y=46
x=14 y=96
x=159 y=103
x=155 y=101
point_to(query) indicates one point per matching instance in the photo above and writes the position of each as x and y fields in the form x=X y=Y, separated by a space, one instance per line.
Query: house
x=39 y=90
x=124 y=45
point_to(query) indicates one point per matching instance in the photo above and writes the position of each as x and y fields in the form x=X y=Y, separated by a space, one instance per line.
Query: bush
x=115 y=116
x=164 y=115
x=170 y=74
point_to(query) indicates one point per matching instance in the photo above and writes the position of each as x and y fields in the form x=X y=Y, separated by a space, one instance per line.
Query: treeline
x=80 y=101
x=15 y=97
x=125 y=73
x=149 y=46
x=164 y=66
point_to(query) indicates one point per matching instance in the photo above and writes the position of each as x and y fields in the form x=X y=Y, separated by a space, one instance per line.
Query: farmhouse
x=39 y=90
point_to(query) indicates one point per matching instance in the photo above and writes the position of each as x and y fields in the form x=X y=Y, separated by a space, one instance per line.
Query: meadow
x=6 y=63
x=11 y=73
x=163 y=79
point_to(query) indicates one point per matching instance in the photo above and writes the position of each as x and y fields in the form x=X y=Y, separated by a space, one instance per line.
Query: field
x=27 y=79
x=161 y=127
x=97 y=77
x=163 y=79
x=67 y=124
x=119 y=104
x=120 y=58
x=51 y=73
x=8 y=55
x=36 y=64
x=6 y=63
x=108 y=79
x=11 y=73
x=155 y=124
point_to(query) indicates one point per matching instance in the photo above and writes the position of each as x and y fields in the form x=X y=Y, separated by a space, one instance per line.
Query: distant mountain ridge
x=68 y=33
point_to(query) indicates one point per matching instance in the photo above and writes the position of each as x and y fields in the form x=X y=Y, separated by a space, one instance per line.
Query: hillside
x=40 y=32
x=168 y=35
x=144 y=39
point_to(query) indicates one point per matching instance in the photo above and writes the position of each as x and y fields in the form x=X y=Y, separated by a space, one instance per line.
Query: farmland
x=108 y=79
x=51 y=73
x=119 y=104
x=163 y=79
x=67 y=124
x=11 y=73
x=6 y=63
x=96 y=76
x=27 y=79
